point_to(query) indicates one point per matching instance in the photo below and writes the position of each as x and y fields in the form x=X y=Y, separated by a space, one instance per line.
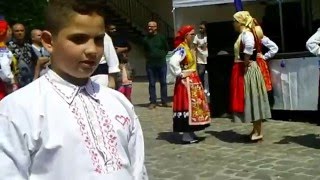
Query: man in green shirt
x=156 y=49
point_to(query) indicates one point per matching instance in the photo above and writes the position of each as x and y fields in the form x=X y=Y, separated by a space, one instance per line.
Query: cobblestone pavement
x=290 y=150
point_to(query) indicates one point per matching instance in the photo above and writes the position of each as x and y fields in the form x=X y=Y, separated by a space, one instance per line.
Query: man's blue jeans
x=155 y=73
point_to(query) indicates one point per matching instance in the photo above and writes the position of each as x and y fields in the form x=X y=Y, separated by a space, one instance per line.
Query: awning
x=191 y=3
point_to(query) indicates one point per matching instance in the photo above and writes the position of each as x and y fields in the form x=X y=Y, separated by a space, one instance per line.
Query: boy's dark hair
x=59 y=12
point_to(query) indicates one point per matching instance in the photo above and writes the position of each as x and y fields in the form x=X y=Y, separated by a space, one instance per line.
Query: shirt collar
x=69 y=91
x=35 y=47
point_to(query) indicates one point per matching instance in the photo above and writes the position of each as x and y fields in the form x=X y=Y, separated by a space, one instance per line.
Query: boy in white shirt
x=201 y=43
x=63 y=126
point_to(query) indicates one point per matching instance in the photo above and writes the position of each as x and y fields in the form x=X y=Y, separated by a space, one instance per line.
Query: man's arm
x=112 y=61
x=273 y=48
x=313 y=43
x=195 y=41
x=42 y=61
x=34 y=57
x=120 y=50
x=165 y=44
x=125 y=47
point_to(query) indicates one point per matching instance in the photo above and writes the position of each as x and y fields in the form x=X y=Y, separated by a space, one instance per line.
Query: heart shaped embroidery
x=122 y=120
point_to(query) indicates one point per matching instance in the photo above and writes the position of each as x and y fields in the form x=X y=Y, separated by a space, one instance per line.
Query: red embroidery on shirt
x=89 y=144
x=110 y=138
x=101 y=164
x=122 y=120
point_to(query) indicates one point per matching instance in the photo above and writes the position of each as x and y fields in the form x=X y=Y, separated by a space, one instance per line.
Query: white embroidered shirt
x=52 y=129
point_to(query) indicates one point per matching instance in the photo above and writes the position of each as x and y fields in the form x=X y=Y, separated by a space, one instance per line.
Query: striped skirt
x=256 y=103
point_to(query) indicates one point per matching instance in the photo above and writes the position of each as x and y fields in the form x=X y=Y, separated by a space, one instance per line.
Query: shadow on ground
x=144 y=105
x=170 y=99
x=230 y=136
x=175 y=138
x=171 y=137
x=309 y=140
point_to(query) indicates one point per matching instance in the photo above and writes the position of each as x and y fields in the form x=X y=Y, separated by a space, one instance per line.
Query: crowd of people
x=65 y=123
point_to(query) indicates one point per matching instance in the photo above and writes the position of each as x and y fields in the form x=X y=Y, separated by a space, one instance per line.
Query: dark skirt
x=190 y=107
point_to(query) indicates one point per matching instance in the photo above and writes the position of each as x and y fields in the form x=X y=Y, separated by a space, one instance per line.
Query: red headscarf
x=183 y=31
x=3 y=29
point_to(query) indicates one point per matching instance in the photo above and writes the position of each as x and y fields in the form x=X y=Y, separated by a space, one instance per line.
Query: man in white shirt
x=64 y=126
x=42 y=54
x=201 y=43
x=313 y=44
x=37 y=47
x=108 y=68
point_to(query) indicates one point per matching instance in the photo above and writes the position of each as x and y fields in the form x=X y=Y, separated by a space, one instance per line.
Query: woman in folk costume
x=7 y=79
x=249 y=99
x=190 y=108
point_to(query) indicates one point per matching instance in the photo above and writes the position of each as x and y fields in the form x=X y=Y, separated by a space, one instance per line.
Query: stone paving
x=290 y=150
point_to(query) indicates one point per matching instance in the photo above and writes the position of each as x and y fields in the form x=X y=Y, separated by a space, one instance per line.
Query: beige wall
x=137 y=59
x=194 y=15
x=162 y=8
x=214 y=13
x=316 y=9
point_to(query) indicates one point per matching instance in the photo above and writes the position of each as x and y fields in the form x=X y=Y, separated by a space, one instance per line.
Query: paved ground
x=290 y=150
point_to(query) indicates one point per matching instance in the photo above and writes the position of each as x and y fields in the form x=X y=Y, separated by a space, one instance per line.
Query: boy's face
x=78 y=47
x=202 y=29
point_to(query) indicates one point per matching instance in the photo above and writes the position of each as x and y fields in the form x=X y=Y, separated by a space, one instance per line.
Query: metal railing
x=139 y=15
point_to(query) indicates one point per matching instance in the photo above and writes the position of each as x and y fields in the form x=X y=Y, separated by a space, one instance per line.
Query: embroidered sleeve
x=313 y=44
x=273 y=48
x=248 y=42
x=136 y=151
x=176 y=58
x=5 y=63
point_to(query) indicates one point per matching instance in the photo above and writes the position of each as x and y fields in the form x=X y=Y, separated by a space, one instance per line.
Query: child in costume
x=7 y=79
x=64 y=126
